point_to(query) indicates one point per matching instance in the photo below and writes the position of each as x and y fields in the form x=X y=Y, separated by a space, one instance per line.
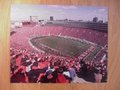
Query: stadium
x=58 y=51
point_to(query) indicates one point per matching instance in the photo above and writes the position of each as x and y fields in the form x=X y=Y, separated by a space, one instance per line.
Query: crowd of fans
x=87 y=34
x=28 y=65
x=93 y=36
x=35 y=67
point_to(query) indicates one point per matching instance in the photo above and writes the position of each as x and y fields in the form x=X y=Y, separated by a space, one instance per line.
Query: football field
x=66 y=46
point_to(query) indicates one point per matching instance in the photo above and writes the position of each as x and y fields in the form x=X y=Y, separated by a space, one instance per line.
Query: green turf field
x=65 y=45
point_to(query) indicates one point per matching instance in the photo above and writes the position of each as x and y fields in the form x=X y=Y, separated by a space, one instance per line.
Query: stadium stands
x=29 y=65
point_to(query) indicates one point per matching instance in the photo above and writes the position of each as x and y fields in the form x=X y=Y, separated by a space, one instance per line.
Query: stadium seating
x=25 y=59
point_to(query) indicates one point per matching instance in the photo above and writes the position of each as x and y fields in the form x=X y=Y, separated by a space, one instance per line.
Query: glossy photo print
x=58 y=44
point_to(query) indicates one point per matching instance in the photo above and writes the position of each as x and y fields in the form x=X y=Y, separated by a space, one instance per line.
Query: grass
x=67 y=46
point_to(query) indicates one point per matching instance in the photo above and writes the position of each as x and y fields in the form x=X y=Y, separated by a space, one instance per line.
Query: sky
x=85 y=13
